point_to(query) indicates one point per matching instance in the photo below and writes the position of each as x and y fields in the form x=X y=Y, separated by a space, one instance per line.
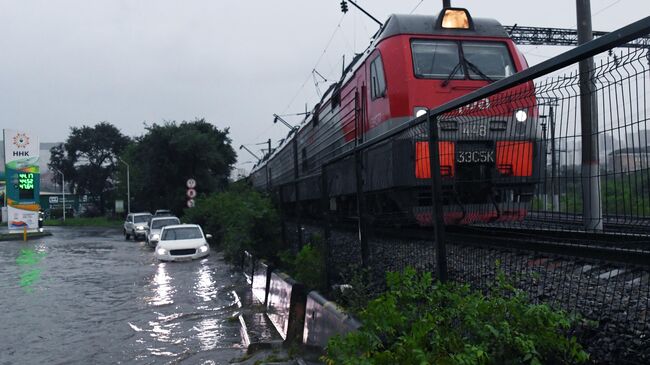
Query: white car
x=182 y=242
x=156 y=224
x=136 y=225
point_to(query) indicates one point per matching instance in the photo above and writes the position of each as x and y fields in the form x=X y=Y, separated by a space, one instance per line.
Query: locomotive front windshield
x=437 y=59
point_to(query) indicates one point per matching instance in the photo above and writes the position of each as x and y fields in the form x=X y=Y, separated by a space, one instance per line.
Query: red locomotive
x=489 y=156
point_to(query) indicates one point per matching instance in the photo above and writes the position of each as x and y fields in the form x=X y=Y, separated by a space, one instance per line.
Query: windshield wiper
x=452 y=73
x=478 y=71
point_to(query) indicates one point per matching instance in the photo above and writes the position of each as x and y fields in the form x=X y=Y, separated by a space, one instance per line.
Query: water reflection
x=163 y=290
x=209 y=333
x=27 y=261
x=205 y=287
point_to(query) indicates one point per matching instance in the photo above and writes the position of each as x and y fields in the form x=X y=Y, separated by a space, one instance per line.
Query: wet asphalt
x=87 y=296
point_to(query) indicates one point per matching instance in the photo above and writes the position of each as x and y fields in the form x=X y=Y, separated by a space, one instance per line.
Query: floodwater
x=87 y=296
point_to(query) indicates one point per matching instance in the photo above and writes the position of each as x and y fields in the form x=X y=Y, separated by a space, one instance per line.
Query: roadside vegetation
x=239 y=219
x=94 y=158
x=167 y=155
x=417 y=321
x=85 y=222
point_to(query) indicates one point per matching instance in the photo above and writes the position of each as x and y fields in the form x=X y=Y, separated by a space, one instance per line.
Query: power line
x=416 y=6
x=309 y=77
x=605 y=8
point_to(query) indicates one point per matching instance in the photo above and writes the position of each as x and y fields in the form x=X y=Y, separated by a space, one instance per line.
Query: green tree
x=88 y=159
x=168 y=154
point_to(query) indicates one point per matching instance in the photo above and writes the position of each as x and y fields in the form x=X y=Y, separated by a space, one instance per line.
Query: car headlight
x=521 y=115
x=203 y=248
x=161 y=251
x=140 y=228
x=155 y=237
x=419 y=111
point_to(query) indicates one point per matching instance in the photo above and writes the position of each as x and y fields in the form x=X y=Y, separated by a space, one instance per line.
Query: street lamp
x=128 y=186
x=62 y=190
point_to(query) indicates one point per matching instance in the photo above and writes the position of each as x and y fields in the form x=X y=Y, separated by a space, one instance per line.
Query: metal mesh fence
x=528 y=180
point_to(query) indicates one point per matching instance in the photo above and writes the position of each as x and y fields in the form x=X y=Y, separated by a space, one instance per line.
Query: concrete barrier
x=323 y=320
x=261 y=277
x=248 y=266
x=286 y=306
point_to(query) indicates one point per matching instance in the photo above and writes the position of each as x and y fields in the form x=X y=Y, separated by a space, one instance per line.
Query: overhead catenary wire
x=320 y=57
x=593 y=15
x=416 y=7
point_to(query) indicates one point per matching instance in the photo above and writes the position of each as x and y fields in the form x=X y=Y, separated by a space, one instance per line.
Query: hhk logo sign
x=21 y=140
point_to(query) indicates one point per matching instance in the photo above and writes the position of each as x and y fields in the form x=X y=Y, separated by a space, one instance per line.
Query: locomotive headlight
x=521 y=115
x=419 y=111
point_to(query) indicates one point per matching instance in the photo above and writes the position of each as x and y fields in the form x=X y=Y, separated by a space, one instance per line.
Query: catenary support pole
x=592 y=206
x=296 y=186
x=436 y=200
x=325 y=202
x=358 y=173
x=283 y=216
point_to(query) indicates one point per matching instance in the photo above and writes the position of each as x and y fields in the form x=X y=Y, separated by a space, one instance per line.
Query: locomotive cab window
x=434 y=59
x=377 y=79
x=490 y=58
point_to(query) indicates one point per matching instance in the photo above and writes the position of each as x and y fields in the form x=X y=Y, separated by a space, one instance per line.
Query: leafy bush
x=417 y=322
x=308 y=266
x=357 y=291
x=239 y=219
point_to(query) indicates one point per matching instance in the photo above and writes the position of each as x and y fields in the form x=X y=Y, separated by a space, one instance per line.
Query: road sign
x=119 y=206
x=191 y=183
x=191 y=203
x=191 y=193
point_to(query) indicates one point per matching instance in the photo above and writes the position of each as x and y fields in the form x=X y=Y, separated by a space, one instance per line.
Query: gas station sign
x=22 y=180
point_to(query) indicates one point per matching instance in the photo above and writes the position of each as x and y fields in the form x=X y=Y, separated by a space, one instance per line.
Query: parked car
x=182 y=242
x=156 y=225
x=163 y=213
x=136 y=225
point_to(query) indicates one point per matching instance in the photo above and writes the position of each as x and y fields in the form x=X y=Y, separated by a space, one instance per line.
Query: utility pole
x=592 y=212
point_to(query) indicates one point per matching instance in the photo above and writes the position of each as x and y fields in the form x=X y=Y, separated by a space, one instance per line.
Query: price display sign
x=25 y=186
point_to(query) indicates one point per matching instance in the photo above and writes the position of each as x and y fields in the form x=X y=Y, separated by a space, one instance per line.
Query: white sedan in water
x=182 y=242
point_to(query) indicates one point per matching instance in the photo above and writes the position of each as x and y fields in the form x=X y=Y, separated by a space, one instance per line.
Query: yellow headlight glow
x=455 y=19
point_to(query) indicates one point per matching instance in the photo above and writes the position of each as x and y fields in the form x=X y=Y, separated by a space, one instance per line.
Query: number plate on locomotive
x=475 y=156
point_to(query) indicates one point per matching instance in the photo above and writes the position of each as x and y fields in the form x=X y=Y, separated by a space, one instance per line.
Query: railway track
x=611 y=247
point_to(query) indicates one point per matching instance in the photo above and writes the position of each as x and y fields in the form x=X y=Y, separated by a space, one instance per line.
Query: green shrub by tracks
x=308 y=266
x=419 y=322
x=239 y=219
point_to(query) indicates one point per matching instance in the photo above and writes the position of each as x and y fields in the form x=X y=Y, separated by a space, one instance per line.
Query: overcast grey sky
x=72 y=62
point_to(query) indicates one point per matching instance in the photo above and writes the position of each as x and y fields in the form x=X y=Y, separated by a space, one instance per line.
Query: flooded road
x=86 y=296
